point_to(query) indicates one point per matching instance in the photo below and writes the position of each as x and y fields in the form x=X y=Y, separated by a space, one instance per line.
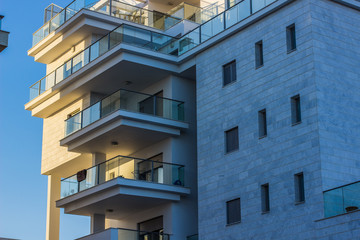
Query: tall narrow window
x=259 y=55
x=232 y=140
x=291 y=38
x=295 y=110
x=265 y=198
x=299 y=188
x=233 y=211
x=262 y=123
x=229 y=73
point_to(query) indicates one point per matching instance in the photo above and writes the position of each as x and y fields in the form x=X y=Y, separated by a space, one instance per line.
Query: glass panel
x=67 y=68
x=206 y=31
x=190 y=41
x=78 y=62
x=351 y=197
x=258 y=4
x=69 y=186
x=57 y=21
x=50 y=80
x=94 y=51
x=232 y=16
x=333 y=202
x=217 y=24
x=137 y=36
x=244 y=9
x=34 y=90
x=86 y=56
x=103 y=45
x=90 y=181
x=73 y=124
x=91 y=114
x=116 y=37
x=42 y=85
x=60 y=74
x=110 y=104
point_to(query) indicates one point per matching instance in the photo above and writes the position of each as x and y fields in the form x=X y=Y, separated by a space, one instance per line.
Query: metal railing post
x=251 y=10
x=110 y=7
x=152 y=171
x=154 y=106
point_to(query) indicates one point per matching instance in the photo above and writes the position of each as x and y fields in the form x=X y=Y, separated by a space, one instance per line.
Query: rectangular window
x=229 y=73
x=265 y=198
x=291 y=38
x=295 y=110
x=262 y=123
x=233 y=211
x=299 y=188
x=259 y=55
x=232 y=140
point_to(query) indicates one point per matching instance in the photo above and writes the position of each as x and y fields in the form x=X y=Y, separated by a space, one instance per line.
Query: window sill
x=298 y=203
x=297 y=123
x=262 y=137
x=229 y=84
x=291 y=51
x=257 y=67
x=232 y=224
x=232 y=151
x=266 y=212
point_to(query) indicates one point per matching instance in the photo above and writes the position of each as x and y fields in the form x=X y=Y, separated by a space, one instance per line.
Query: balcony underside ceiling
x=129 y=130
x=122 y=196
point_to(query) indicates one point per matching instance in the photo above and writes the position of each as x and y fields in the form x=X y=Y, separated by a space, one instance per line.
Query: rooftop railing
x=221 y=22
x=124 y=33
x=123 y=167
x=129 y=101
x=114 y=8
x=341 y=200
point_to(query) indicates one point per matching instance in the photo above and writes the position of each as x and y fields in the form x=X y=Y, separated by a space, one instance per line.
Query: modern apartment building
x=201 y=120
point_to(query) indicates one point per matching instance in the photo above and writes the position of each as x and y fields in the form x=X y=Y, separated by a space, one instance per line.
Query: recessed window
x=265 y=198
x=291 y=38
x=233 y=211
x=262 y=123
x=259 y=55
x=232 y=140
x=229 y=73
x=295 y=110
x=299 y=188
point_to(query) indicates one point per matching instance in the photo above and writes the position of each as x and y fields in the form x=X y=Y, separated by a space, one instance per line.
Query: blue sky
x=23 y=190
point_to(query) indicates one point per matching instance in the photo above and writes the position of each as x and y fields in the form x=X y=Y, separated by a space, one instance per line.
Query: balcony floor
x=123 y=196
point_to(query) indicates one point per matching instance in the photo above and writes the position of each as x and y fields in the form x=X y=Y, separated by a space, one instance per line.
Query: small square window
x=265 y=198
x=259 y=55
x=290 y=38
x=262 y=123
x=299 y=188
x=229 y=73
x=295 y=110
x=232 y=140
x=233 y=211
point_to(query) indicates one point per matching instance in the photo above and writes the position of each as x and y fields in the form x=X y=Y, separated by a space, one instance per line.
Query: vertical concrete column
x=53 y=213
x=97 y=223
x=98 y=158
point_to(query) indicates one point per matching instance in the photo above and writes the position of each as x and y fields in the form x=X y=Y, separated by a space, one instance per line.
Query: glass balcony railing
x=123 y=33
x=150 y=40
x=221 y=22
x=127 y=234
x=129 y=101
x=124 y=167
x=342 y=200
x=114 y=8
x=193 y=13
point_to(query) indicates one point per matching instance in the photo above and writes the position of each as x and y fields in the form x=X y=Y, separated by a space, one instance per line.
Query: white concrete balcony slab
x=133 y=120
x=123 y=185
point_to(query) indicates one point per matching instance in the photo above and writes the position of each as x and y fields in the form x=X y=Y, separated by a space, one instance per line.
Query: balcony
x=125 y=234
x=342 y=200
x=124 y=167
x=109 y=7
x=123 y=184
x=129 y=101
x=124 y=33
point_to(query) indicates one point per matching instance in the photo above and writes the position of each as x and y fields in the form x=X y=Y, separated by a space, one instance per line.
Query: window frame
x=265 y=198
x=299 y=183
x=228 y=210
x=227 y=150
x=262 y=123
x=259 y=54
x=232 y=72
x=295 y=102
x=291 y=38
